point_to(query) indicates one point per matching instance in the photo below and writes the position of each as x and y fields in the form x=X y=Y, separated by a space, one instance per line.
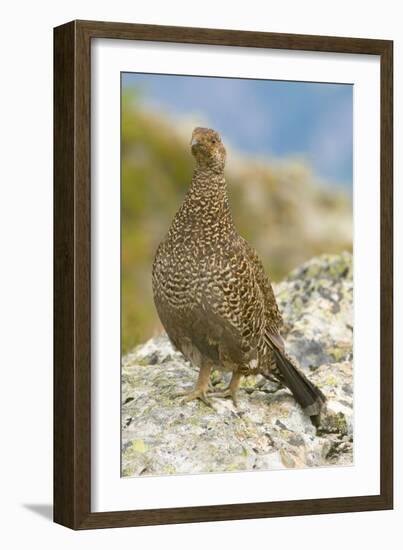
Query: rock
x=268 y=429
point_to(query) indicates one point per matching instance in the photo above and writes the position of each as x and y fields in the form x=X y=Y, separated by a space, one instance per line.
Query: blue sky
x=276 y=119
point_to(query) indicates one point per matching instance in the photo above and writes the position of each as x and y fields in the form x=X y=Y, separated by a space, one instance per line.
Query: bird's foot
x=197 y=393
x=226 y=392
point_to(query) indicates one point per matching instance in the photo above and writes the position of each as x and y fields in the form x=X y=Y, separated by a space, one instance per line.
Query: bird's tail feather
x=305 y=392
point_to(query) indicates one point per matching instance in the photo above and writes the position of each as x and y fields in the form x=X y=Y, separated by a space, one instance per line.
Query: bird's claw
x=195 y=394
x=226 y=392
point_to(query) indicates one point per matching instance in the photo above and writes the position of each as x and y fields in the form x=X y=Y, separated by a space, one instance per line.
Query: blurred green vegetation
x=279 y=208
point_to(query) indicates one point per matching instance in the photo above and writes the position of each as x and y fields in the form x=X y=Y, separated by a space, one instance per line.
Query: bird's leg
x=202 y=384
x=232 y=390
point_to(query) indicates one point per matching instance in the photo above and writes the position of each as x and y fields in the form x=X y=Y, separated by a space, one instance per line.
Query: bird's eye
x=213 y=141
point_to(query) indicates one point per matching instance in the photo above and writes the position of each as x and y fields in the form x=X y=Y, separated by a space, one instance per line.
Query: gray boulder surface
x=267 y=430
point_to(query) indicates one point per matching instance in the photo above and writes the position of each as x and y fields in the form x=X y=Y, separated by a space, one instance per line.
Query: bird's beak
x=194 y=142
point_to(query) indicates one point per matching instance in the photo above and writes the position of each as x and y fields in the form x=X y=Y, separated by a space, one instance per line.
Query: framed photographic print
x=222 y=274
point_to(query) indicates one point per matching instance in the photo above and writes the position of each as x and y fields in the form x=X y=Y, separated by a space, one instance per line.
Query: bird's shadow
x=44 y=510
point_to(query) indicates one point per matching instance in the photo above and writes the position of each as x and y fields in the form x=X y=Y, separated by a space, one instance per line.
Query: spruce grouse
x=212 y=294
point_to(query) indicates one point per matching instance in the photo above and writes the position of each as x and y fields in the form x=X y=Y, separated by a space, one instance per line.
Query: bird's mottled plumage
x=211 y=292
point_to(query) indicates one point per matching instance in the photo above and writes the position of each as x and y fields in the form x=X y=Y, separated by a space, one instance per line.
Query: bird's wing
x=274 y=320
x=232 y=308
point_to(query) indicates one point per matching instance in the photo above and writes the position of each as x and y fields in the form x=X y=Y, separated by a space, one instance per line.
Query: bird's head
x=208 y=149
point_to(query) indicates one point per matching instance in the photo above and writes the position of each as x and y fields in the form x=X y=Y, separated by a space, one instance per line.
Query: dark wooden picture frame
x=72 y=274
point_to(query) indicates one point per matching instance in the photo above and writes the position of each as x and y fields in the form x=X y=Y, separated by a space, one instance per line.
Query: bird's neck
x=207 y=196
x=205 y=206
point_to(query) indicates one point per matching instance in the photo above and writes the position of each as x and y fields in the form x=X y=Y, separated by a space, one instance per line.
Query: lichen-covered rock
x=267 y=430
